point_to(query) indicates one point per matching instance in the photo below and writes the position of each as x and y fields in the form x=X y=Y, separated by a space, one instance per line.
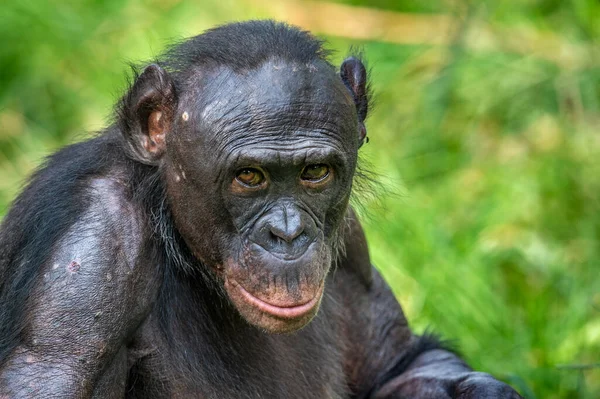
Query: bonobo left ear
x=146 y=114
x=354 y=76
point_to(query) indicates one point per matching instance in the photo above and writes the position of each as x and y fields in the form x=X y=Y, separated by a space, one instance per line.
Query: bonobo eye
x=250 y=177
x=315 y=173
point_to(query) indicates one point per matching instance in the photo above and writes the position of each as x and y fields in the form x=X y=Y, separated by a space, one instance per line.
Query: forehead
x=279 y=100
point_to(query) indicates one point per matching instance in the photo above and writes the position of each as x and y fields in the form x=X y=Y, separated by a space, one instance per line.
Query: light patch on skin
x=214 y=106
x=182 y=172
x=55 y=266
x=177 y=178
x=185 y=116
x=311 y=67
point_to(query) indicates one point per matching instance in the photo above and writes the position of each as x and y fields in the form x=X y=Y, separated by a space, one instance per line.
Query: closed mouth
x=293 y=311
x=286 y=256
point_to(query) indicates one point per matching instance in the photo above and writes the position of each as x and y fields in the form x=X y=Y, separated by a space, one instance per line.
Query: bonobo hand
x=481 y=385
x=440 y=374
x=473 y=385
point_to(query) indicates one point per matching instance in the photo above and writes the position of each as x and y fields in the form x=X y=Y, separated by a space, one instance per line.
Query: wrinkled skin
x=212 y=252
x=276 y=248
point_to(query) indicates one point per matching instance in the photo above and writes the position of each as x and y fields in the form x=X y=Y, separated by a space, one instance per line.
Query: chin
x=276 y=294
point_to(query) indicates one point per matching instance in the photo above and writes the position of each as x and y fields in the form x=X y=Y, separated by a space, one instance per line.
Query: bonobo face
x=259 y=170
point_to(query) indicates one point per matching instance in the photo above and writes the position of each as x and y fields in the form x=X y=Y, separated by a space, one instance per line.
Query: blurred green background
x=485 y=135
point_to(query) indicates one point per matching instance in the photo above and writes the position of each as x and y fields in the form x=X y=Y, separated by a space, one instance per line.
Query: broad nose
x=285 y=230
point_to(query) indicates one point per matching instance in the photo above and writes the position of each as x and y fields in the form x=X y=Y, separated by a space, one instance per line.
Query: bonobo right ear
x=146 y=114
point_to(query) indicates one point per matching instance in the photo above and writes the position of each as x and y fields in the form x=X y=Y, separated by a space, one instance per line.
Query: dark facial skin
x=284 y=179
x=203 y=245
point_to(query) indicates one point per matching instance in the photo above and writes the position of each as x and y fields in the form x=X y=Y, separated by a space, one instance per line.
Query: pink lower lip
x=287 y=312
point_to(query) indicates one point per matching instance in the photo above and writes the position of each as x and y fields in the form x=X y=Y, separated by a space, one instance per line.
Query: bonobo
x=202 y=246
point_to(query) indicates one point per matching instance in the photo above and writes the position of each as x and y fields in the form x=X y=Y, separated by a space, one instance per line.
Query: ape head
x=257 y=144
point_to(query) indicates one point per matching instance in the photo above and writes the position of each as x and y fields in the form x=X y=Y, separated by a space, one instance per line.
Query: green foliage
x=489 y=227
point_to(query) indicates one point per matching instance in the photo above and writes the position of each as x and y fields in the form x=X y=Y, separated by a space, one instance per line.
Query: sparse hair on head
x=245 y=45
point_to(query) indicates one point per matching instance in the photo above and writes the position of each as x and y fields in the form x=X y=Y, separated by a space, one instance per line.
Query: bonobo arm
x=90 y=296
x=384 y=359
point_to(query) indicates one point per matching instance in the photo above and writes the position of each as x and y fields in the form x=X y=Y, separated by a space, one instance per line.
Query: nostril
x=275 y=237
